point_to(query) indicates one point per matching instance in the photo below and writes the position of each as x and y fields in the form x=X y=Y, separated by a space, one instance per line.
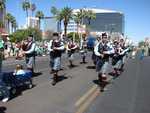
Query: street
x=77 y=91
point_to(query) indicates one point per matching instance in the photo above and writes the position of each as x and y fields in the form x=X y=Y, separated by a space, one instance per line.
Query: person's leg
x=30 y=63
x=51 y=63
x=56 y=67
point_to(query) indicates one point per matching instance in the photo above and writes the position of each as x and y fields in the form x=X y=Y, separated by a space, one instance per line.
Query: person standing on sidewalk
x=55 y=47
x=29 y=52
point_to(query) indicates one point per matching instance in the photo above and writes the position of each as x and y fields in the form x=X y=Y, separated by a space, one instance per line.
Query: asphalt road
x=45 y=98
x=130 y=93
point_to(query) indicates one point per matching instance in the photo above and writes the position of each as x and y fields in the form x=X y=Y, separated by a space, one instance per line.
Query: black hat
x=55 y=34
x=104 y=34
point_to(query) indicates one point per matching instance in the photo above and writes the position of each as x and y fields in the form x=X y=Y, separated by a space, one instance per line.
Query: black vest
x=101 y=49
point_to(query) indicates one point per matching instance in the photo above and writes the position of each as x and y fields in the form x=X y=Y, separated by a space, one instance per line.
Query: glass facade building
x=109 y=22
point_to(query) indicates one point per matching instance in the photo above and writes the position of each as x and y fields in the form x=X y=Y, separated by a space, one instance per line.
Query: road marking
x=84 y=106
x=85 y=97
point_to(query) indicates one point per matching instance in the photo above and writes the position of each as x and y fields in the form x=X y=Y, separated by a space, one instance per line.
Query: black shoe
x=53 y=83
x=52 y=71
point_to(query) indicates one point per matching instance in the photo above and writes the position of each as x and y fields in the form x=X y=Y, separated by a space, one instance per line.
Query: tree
x=13 y=24
x=1 y=24
x=71 y=35
x=32 y=8
x=20 y=35
x=2 y=7
x=65 y=14
x=26 y=7
x=39 y=15
x=141 y=43
x=77 y=18
x=8 y=17
x=54 y=11
x=90 y=15
x=57 y=15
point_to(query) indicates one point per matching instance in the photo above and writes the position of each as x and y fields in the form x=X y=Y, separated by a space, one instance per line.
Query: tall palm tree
x=90 y=15
x=54 y=11
x=77 y=18
x=1 y=24
x=2 y=7
x=57 y=15
x=13 y=24
x=40 y=15
x=66 y=14
x=8 y=17
x=26 y=6
x=32 y=8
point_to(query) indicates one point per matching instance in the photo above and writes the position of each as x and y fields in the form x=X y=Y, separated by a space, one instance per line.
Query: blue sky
x=137 y=15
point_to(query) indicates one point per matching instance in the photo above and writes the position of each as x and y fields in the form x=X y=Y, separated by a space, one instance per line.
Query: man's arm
x=31 y=50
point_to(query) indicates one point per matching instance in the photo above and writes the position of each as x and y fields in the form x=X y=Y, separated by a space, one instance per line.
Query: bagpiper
x=55 y=47
x=103 y=50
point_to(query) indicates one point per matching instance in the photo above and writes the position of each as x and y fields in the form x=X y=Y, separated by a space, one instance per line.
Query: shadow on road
x=36 y=74
x=96 y=82
x=2 y=109
x=91 y=67
x=61 y=78
x=73 y=66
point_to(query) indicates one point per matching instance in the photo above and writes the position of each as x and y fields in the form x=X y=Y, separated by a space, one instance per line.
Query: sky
x=137 y=12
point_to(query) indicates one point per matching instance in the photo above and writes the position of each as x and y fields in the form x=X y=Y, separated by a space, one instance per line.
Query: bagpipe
x=103 y=48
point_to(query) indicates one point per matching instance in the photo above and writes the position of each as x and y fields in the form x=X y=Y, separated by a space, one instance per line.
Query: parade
x=72 y=58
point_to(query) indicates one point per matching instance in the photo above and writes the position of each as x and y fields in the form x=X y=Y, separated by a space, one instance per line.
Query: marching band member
x=103 y=50
x=117 y=58
x=55 y=47
x=83 y=48
x=71 y=47
x=29 y=51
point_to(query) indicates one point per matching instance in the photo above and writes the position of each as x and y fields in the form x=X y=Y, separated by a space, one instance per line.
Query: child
x=19 y=70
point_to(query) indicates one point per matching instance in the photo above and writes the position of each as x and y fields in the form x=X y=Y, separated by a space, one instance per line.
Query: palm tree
x=13 y=24
x=77 y=18
x=54 y=11
x=26 y=6
x=90 y=15
x=2 y=7
x=57 y=15
x=39 y=15
x=8 y=17
x=65 y=14
x=1 y=24
x=32 y=8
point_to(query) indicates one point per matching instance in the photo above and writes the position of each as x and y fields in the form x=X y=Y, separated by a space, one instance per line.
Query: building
x=106 y=21
x=50 y=25
x=32 y=22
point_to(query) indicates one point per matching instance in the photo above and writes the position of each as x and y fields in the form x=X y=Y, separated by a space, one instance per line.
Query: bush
x=77 y=38
x=20 y=35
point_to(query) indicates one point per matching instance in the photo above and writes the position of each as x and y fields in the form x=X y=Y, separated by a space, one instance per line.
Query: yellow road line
x=84 y=106
x=86 y=96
